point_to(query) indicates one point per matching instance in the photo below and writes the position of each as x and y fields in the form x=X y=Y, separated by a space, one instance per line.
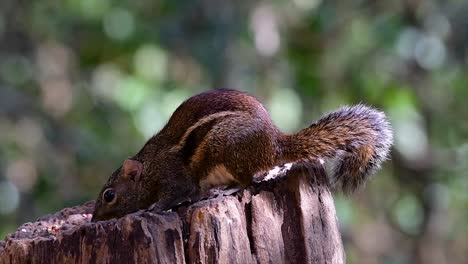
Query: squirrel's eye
x=108 y=195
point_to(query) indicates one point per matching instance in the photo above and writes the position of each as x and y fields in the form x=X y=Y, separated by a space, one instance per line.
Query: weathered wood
x=287 y=220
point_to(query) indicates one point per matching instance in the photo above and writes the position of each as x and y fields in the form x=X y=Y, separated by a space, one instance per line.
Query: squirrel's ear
x=132 y=169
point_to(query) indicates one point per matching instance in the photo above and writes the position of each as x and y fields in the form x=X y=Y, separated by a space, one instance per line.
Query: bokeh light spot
x=131 y=93
x=9 y=197
x=149 y=120
x=409 y=214
x=118 y=24
x=105 y=81
x=307 y=4
x=22 y=173
x=430 y=52
x=150 y=62
x=286 y=109
x=265 y=29
x=407 y=42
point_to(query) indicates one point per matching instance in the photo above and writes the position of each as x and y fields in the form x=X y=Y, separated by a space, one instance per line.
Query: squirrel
x=225 y=137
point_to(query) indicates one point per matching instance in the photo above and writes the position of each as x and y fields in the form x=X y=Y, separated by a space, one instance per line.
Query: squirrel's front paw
x=221 y=191
x=154 y=208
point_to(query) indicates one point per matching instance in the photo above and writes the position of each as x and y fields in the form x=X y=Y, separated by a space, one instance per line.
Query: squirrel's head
x=117 y=197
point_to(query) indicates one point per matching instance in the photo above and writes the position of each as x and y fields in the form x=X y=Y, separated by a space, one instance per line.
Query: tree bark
x=290 y=219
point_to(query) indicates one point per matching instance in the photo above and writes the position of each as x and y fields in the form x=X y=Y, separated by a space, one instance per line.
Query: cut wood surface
x=286 y=220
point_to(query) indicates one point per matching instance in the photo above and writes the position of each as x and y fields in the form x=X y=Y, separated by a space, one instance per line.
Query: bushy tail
x=352 y=143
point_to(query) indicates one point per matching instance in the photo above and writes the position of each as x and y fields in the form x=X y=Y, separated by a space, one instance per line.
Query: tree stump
x=290 y=219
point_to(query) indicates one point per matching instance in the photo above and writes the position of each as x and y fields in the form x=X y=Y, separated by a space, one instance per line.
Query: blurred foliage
x=83 y=83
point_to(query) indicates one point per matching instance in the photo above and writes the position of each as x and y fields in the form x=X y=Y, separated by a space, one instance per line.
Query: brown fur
x=230 y=134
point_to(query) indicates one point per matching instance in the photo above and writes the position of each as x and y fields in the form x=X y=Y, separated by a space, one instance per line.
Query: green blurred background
x=84 y=83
